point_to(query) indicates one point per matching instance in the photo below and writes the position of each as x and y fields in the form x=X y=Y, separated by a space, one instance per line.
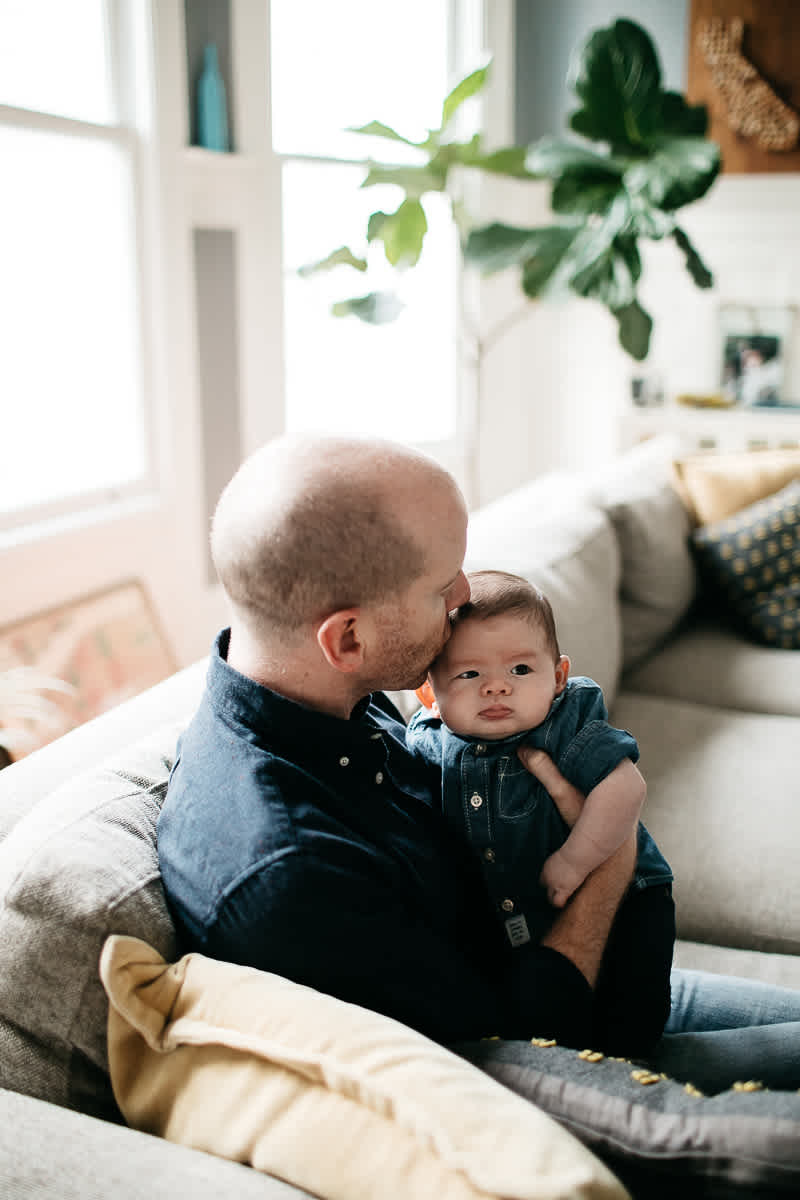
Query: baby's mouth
x=495 y=712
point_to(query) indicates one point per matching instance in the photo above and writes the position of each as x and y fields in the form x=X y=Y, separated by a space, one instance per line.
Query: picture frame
x=754 y=346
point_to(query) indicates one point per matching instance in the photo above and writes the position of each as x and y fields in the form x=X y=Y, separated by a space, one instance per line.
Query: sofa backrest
x=548 y=533
x=79 y=865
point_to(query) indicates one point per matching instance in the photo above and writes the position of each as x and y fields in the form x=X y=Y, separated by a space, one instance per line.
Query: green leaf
x=469 y=86
x=376 y=308
x=607 y=278
x=677 y=172
x=646 y=221
x=585 y=191
x=681 y=119
x=552 y=250
x=634 y=326
x=617 y=76
x=375 y=225
x=509 y=160
x=552 y=156
x=415 y=181
x=378 y=129
x=342 y=257
x=694 y=263
x=495 y=247
x=401 y=232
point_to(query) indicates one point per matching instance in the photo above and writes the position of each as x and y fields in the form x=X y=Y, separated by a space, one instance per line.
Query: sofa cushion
x=47 y=1153
x=715 y=486
x=80 y=865
x=722 y=785
x=782 y=970
x=549 y=535
x=658 y=579
x=324 y=1094
x=661 y=1139
x=717 y=666
x=751 y=563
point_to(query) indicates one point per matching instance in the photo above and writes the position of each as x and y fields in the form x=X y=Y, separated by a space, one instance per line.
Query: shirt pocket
x=519 y=794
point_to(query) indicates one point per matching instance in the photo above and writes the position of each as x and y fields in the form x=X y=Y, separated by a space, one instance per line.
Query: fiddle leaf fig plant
x=642 y=153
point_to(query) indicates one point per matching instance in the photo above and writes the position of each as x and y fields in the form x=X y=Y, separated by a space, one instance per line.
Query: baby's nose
x=495 y=686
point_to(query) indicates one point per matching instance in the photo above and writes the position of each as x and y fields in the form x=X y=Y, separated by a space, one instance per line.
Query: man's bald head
x=309 y=526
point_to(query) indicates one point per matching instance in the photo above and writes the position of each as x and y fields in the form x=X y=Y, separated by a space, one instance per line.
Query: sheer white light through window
x=334 y=66
x=70 y=372
x=355 y=61
x=67 y=310
x=395 y=380
x=53 y=58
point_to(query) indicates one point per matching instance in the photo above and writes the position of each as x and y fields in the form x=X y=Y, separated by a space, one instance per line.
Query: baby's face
x=496 y=677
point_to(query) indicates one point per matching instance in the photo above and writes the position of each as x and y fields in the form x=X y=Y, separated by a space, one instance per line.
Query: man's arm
x=609 y=815
x=581 y=931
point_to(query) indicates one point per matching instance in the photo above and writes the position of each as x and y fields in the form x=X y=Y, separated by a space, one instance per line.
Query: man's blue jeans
x=722 y=1029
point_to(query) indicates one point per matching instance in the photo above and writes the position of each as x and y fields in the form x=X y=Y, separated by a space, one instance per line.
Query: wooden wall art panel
x=744 y=64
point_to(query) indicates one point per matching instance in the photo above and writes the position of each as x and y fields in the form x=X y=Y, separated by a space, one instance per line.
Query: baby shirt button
x=344 y=761
x=475 y=800
x=379 y=777
x=507 y=906
x=489 y=855
x=480 y=748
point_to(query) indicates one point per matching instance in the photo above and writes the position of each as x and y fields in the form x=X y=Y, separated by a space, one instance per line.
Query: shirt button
x=475 y=800
x=489 y=855
x=344 y=761
x=507 y=906
x=480 y=748
x=379 y=777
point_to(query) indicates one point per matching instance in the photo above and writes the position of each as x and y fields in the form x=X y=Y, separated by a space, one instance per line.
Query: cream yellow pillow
x=336 y=1099
x=714 y=486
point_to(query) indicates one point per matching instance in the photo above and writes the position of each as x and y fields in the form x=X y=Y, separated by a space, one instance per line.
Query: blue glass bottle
x=212 y=106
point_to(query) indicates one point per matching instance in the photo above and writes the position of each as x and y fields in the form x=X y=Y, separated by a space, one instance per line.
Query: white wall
x=555 y=389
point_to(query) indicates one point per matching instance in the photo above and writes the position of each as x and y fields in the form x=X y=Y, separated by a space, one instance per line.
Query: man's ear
x=340 y=641
x=562 y=673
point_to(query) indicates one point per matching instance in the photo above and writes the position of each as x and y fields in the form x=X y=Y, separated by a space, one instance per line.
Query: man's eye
x=467 y=675
x=521 y=669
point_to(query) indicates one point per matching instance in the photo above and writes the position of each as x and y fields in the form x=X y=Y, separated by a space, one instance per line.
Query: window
x=333 y=66
x=71 y=376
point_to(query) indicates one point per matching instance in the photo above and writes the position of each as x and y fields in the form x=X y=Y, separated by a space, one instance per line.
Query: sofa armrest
x=26 y=781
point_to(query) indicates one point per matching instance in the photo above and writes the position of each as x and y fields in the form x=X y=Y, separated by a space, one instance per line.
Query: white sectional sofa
x=718 y=722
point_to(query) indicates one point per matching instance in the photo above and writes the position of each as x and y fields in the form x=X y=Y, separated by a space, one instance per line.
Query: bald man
x=300 y=837
x=298 y=834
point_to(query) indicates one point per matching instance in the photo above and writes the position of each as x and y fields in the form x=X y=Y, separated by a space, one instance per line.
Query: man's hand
x=567 y=799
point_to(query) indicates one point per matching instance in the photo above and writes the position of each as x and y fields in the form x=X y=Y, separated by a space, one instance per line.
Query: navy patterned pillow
x=751 y=563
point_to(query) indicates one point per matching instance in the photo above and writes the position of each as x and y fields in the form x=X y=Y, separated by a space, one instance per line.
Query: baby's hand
x=560 y=878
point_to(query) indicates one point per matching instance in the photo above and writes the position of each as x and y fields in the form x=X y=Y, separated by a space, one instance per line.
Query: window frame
x=127 y=57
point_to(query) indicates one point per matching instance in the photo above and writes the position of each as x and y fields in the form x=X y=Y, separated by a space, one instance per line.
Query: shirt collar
x=275 y=719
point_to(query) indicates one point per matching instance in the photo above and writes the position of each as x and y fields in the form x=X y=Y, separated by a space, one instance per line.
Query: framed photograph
x=755 y=345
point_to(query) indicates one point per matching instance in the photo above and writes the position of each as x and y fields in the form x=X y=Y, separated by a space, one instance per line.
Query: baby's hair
x=498 y=594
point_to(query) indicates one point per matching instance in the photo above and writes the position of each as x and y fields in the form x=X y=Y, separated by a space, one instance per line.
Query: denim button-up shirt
x=507 y=816
x=307 y=845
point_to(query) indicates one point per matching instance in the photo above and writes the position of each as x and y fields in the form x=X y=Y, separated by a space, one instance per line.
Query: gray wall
x=546 y=33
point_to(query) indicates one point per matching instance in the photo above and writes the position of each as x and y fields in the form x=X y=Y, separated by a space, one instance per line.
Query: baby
x=501 y=680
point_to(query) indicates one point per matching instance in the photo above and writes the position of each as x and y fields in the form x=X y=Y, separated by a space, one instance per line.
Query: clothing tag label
x=517 y=930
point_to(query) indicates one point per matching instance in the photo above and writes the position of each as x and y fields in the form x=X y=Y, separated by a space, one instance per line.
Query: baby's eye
x=521 y=669
x=467 y=675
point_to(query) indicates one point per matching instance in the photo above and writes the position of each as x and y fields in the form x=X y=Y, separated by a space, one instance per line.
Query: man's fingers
x=567 y=799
